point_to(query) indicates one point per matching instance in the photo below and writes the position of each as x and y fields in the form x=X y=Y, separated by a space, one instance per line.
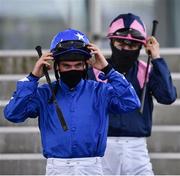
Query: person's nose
x=73 y=67
x=126 y=47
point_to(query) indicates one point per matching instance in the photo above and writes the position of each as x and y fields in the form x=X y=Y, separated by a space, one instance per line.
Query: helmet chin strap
x=56 y=71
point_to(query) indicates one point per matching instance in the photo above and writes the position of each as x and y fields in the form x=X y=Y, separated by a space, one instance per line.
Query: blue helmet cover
x=67 y=35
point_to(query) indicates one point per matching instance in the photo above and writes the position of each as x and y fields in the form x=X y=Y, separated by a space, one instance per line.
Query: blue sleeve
x=160 y=82
x=24 y=101
x=121 y=95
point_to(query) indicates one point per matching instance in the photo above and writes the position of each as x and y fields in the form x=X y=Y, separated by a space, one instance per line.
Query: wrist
x=33 y=77
x=36 y=74
x=106 y=69
x=156 y=57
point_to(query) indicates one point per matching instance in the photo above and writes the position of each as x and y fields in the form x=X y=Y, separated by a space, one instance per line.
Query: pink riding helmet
x=128 y=26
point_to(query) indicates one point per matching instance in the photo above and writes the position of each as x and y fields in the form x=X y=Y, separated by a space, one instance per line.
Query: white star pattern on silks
x=24 y=79
x=80 y=36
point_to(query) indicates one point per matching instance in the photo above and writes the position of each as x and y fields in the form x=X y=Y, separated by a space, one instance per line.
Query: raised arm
x=25 y=100
x=119 y=93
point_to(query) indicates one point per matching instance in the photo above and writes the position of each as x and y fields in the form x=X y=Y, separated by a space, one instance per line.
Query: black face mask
x=123 y=60
x=72 y=77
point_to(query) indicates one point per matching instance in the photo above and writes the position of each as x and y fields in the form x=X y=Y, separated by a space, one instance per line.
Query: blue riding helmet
x=70 y=41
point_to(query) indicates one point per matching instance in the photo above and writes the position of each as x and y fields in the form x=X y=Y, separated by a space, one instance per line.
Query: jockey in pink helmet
x=127 y=34
x=126 y=150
